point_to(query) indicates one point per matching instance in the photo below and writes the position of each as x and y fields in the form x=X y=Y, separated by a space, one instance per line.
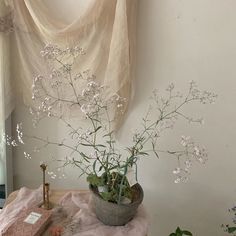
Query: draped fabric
x=75 y=213
x=105 y=29
x=6 y=101
x=6 y=27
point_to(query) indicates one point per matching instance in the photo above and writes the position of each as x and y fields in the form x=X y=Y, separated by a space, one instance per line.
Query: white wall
x=178 y=41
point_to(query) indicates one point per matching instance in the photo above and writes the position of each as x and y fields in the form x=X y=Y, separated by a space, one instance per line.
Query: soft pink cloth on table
x=25 y=198
x=76 y=215
x=89 y=225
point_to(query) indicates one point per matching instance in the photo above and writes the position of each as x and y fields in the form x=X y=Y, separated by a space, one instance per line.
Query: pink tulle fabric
x=25 y=198
x=75 y=213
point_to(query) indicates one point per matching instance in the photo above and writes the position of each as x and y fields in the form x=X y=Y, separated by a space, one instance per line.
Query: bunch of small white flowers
x=52 y=51
x=10 y=141
x=56 y=93
x=16 y=142
x=93 y=147
x=190 y=154
x=163 y=113
x=19 y=133
x=205 y=97
x=95 y=99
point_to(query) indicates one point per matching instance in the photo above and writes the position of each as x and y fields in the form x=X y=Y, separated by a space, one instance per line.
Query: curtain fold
x=6 y=102
x=104 y=29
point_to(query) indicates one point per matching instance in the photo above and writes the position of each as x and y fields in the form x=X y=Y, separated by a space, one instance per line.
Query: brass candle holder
x=46 y=203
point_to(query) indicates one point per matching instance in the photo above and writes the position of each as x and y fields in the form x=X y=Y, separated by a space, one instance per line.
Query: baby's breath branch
x=60 y=144
x=93 y=147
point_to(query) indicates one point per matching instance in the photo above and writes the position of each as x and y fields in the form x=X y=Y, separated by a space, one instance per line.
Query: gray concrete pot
x=113 y=214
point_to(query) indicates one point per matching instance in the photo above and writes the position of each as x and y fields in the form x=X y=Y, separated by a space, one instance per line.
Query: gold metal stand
x=46 y=203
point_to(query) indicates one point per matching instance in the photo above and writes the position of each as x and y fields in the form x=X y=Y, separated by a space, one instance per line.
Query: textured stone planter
x=113 y=214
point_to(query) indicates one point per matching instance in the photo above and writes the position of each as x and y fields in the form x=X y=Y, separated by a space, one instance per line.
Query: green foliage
x=116 y=183
x=92 y=147
x=95 y=180
x=229 y=229
x=179 y=232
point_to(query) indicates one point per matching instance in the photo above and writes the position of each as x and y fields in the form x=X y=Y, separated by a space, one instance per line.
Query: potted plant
x=93 y=147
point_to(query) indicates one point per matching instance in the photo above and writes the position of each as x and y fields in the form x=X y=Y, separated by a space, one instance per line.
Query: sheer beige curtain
x=6 y=99
x=104 y=28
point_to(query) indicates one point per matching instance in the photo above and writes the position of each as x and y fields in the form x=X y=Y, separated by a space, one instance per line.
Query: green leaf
x=154 y=150
x=91 y=145
x=81 y=174
x=85 y=157
x=107 y=196
x=185 y=232
x=231 y=229
x=94 y=166
x=98 y=128
x=178 y=231
x=143 y=153
x=95 y=180
x=172 y=234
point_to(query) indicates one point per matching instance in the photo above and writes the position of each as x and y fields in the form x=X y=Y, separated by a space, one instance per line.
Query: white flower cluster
x=205 y=97
x=165 y=104
x=190 y=147
x=191 y=153
x=118 y=101
x=63 y=90
x=57 y=89
x=52 y=174
x=19 y=133
x=10 y=141
x=52 y=51
x=27 y=155
x=94 y=97
x=84 y=136
x=57 y=174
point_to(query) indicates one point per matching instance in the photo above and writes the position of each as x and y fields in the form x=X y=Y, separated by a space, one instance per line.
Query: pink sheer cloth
x=25 y=198
x=75 y=214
